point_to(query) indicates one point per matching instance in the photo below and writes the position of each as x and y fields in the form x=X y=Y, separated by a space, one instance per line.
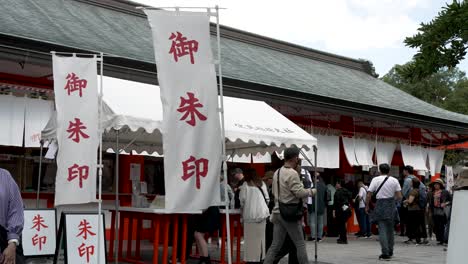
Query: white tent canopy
x=134 y=111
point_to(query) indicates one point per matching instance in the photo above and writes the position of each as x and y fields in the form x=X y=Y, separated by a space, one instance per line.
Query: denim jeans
x=386 y=236
x=313 y=226
x=280 y=230
x=364 y=222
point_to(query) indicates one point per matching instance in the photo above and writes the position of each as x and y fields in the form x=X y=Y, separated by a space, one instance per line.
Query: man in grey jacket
x=292 y=192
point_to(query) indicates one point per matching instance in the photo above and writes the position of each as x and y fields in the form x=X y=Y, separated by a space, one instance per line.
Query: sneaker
x=409 y=241
x=368 y=236
x=385 y=257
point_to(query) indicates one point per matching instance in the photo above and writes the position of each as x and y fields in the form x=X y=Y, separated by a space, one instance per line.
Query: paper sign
x=135 y=171
x=82 y=239
x=39 y=233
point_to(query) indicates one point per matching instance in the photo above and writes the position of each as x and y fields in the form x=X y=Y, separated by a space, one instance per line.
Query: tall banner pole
x=100 y=158
x=117 y=200
x=39 y=175
x=316 y=203
x=223 y=136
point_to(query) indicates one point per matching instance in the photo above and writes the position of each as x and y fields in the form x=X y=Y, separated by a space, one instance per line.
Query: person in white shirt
x=386 y=189
x=254 y=200
x=363 y=217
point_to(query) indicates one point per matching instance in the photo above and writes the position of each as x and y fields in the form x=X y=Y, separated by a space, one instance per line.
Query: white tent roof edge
x=251 y=126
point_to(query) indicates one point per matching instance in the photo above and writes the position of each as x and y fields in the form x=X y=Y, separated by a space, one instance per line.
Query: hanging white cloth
x=412 y=155
x=436 y=158
x=349 y=145
x=12 y=120
x=259 y=158
x=37 y=114
x=384 y=152
x=328 y=155
x=364 y=149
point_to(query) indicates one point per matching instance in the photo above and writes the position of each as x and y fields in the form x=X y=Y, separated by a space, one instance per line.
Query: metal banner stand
x=223 y=136
x=221 y=111
x=100 y=166
x=39 y=175
x=100 y=131
x=315 y=199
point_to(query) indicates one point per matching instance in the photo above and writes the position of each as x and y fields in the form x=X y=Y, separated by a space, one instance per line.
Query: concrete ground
x=366 y=251
x=359 y=251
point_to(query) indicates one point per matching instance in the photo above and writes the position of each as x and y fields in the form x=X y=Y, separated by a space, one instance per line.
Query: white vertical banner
x=191 y=131
x=449 y=178
x=76 y=99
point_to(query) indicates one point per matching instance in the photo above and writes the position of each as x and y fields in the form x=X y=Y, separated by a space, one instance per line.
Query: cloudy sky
x=369 y=29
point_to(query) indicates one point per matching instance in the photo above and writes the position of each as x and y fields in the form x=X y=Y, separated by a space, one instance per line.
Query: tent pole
x=223 y=136
x=39 y=175
x=316 y=200
x=117 y=201
x=100 y=167
x=316 y=204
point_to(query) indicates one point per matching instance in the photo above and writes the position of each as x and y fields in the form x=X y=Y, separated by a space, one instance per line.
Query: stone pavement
x=366 y=251
x=358 y=251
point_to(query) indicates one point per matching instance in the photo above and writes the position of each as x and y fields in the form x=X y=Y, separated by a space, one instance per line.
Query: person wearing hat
x=439 y=200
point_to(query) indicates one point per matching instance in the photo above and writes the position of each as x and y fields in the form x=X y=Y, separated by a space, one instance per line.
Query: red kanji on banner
x=85 y=229
x=75 y=84
x=181 y=47
x=80 y=172
x=189 y=108
x=39 y=240
x=85 y=250
x=38 y=222
x=75 y=130
x=197 y=167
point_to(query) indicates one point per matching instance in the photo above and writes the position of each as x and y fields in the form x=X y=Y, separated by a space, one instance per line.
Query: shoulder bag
x=290 y=212
x=374 y=195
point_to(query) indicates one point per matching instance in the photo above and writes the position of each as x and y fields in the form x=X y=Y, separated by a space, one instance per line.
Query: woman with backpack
x=254 y=200
x=416 y=221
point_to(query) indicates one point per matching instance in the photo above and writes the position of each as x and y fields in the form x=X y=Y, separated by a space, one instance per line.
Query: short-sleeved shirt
x=388 y=190
x=414 y=206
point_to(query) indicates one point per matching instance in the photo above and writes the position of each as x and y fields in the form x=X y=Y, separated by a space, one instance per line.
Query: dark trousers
x=287 y=248
x=416 y=225
x=331 y=223
x=364 y=222
x=342 y=220
x=439 y=227
x=403 y=220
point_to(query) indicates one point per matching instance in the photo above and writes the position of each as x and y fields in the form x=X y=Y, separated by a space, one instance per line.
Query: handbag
x=290 y=212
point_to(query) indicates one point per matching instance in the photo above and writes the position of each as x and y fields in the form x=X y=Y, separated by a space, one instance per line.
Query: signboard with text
x=76 y=99
x=192 y=132
x=39 y=232
x=79 y=232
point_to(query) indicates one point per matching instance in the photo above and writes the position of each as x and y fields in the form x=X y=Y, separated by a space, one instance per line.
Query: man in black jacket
x=342 y=210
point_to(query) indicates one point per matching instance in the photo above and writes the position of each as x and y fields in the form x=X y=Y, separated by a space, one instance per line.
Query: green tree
x=443 y=42
x=446 y=88
x=457 y=101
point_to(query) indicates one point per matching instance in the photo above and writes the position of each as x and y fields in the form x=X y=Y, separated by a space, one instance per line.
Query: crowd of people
x=415 y=209
x=276 y=208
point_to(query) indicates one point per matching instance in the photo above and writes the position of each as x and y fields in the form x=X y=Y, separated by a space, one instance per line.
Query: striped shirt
x=11 y=206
